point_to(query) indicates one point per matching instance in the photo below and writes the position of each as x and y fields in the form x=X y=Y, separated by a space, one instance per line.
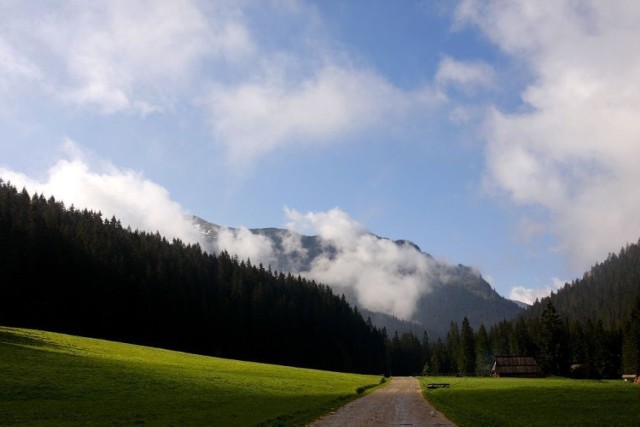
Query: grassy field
x=536 y=402
x=53 y=379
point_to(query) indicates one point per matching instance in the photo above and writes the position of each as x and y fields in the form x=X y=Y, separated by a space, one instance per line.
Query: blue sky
x=503 y=136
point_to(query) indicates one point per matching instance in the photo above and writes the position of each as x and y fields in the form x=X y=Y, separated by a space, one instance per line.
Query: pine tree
x=467 y=353
x=426 y=352
x=631 y=342
x=552 y=341
x=440 y=361
x=453 y=348
x=484 y=358
x=521 y=342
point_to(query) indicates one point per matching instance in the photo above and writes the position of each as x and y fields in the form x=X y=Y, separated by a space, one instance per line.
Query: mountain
x=433 y=293
x=590 y=328
x=606 y=293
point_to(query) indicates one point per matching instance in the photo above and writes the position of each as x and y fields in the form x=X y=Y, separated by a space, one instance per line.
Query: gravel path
x=399 y=403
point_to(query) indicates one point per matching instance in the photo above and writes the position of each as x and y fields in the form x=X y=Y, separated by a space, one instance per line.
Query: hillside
x=451 y=292
x=589 y=328
x=72 y=271
x=606 y=293
x=55 y=379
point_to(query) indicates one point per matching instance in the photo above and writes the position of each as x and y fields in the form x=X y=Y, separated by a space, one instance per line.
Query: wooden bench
x=437 y=385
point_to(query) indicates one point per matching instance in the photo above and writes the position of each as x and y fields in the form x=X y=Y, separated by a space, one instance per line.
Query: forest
x=73 y=271
x=588 y=329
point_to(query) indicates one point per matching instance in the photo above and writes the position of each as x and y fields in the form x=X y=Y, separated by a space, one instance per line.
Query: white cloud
x=152 y=56
x=125 y=194
x=134 y=200
x=530 y=295
x=334 y=227
x=281 y=108
x=574 y=150
x=14 y=64
x=466 y=75
x=383 y=275
x=16 y=72
x=123 y=56
x=245 y=244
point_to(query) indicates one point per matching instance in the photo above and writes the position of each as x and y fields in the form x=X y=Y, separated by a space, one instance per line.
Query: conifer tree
x=453 y=348
x=552 y=340
x=484 y=358
x=631 y=342
x=467 y=353
x=426 y=352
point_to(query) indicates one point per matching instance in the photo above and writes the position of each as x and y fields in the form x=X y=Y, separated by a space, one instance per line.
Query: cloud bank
x=377 y=274
x=87 y=183
x=117 y=56
x=572 y=148
x=134 y=200
x=381 y=274
x=245 y=244
x=258 y=88
x=257 y=117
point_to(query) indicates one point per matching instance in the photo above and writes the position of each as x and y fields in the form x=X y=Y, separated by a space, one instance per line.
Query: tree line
x=563 y=343
x=590 y=328
x=73 y=271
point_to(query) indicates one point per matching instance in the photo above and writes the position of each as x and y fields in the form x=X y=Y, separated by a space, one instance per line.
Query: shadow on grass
x=41 y=384
x=301 y=418
x=25 y=339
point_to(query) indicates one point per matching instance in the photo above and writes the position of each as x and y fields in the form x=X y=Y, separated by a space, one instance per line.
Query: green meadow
x=55 y=379
x=535 y=402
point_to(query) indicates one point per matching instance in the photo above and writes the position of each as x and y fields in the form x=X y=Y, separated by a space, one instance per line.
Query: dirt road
x=399 y=403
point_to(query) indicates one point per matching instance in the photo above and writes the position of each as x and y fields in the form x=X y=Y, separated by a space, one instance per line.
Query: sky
x=502 y=135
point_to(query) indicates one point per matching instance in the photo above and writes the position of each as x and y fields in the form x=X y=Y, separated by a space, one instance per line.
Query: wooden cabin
x=516 y=366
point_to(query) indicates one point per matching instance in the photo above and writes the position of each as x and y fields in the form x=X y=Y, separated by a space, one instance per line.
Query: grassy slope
x=536 y=402
x=50 y=379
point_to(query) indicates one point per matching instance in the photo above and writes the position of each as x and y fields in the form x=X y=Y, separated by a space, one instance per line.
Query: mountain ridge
x=450 y=292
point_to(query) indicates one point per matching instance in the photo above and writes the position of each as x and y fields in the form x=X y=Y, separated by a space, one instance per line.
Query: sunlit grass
x=535 y=402
x=55 y=379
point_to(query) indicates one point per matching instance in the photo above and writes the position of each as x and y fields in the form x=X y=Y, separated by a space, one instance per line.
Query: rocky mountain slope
x=393 y=282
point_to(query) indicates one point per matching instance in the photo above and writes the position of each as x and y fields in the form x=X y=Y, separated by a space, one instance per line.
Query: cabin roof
x=515 y=365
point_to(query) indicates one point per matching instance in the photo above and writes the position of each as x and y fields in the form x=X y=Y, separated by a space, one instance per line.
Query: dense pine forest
x=73 y=271
x=588 y=329
x=606 y=293
x=76 y=272
x=600 y=315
